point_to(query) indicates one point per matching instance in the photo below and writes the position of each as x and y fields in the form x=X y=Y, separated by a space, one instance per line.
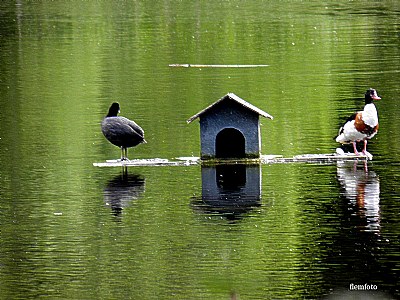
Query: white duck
x=362 y=125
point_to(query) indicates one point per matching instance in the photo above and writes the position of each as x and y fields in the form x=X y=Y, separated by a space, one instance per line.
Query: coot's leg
x=122 y=153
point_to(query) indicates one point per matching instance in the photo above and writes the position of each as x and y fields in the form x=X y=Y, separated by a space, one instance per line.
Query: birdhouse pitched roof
x=231 y=97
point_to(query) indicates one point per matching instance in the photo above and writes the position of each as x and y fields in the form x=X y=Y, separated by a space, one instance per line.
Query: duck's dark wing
x=352 y=117
x=349 y=119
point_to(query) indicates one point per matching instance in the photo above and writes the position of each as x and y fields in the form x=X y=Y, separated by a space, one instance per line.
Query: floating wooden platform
x=147 y=162
x=323 y=158
x=216 y=66
x=264 y=159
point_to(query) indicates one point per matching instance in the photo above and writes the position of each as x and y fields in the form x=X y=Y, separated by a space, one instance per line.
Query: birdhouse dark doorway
x=231 y=177
x=230 y=143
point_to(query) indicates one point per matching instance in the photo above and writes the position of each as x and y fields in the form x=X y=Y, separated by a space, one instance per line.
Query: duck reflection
x=121 y=190
x=230 y=190
x=361 y=188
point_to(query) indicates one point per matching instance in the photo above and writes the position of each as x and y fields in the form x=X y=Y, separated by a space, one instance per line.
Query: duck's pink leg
x=365 y=147
x=355 y=148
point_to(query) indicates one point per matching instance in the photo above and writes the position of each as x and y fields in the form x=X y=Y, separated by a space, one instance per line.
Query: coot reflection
x=122 y=190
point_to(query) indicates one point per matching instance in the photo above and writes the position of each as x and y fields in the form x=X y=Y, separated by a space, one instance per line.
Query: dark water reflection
x=356 y=249
x=361 y=189
x=345 y=242
x=230 y=190
x=122 y=190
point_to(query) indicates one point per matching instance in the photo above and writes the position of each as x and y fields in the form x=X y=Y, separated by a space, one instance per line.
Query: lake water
x=69 y=230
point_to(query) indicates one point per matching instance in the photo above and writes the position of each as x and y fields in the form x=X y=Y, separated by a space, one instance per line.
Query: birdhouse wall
x=230 y=115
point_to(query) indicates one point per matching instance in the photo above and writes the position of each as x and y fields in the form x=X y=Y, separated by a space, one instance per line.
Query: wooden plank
x=143 y=162
x=264 y=159
x=321 y=158
x=216 y=66
x=333 y=156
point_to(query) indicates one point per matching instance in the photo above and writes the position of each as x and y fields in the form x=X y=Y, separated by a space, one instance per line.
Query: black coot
x=121 y=131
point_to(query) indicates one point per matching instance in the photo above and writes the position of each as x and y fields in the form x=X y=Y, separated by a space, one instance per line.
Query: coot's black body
x=121 y=131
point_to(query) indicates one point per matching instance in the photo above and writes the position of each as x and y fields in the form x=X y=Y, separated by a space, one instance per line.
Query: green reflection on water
x=64 y=63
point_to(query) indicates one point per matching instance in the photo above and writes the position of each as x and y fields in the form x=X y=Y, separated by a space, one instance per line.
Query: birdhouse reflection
x=231 y=189
x=361 y=188
x=122 y=190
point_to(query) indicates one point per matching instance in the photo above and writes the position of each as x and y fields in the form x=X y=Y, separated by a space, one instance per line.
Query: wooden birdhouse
x=230 y=128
